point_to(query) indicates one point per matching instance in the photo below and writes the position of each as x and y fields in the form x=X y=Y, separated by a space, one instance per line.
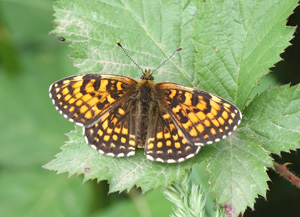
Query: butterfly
x=119 y=114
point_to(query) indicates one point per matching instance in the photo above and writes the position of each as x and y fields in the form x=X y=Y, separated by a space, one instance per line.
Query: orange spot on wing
x=83 y=109
x=193 y=117
x=210 y=115
x=193 y=132
x=221 y=120
x=106 y=138
x=166 y=116
x=201 y=115
x=67 y=97
x=119 y=86
x=213 y=131
x=150 y=146
x=188 y=100
x=177 y=145
x=65 y=91
x=86 y=97
x=71 y=101
x=214 y=111
x=167 y=135
x=123 y=140
x=132 y=142
x=121 y=111
x=225 y=115
x=159 y=135
x=89 y=89
x=78 y=95
x=215 y=122
x=207 y=123
x=109 y=130
x=88 y=115
x=168 y=143
x=93 y=101
x=77 y=84
x=105 y=125
x=200 y=128
x=103 y=85
x=215 y=105
x=115 y=137
x=173 y=93
x=124 y=131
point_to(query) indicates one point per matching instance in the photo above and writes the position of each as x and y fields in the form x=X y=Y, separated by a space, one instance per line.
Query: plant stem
x=283 y=170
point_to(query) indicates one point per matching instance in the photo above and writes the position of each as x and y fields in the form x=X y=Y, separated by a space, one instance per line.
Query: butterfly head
x=147 y=75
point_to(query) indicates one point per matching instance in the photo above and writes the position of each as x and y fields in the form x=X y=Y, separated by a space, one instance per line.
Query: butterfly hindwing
x=114 y=133
x=164 y=142
x=203 y=117
x=84 y=98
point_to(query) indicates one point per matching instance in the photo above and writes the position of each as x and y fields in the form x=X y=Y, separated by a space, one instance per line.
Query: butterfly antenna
x=119 y=44
x=179 y=49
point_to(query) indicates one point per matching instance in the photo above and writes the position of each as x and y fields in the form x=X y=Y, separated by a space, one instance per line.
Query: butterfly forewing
x=83 y=99
x=202 y=117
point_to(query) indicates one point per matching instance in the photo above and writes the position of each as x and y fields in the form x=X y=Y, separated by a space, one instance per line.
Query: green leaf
x=238 y=170
x=237 y=42
x=149 y=30
x=77 y=157
x=274 y=118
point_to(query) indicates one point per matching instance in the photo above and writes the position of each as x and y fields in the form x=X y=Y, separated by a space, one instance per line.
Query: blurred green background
x=31 y=130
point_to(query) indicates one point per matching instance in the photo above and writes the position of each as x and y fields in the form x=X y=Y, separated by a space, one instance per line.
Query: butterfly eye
x=142 y=77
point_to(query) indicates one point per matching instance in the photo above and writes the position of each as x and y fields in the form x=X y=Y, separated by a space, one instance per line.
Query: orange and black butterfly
x=119 y=114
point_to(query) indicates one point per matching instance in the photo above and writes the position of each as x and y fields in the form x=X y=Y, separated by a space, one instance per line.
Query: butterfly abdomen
x=145 y=98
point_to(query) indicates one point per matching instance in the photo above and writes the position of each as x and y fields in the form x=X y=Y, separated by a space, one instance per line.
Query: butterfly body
x=170 y=121
x=146 y=99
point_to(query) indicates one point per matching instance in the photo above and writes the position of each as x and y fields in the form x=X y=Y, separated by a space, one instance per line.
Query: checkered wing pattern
x=165 y=142
x=202 y=117
x=114 y=134
x=83 y=99
x=170 y=121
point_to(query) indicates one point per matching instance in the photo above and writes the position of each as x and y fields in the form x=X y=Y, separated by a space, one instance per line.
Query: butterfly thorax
x=146 y=88
x=146 y=100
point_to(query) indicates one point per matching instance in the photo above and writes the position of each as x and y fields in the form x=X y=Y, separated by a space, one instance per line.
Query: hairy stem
x=283 y=170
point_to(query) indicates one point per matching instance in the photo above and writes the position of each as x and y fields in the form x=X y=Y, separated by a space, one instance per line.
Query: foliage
x=190 y=199
x=229 y=47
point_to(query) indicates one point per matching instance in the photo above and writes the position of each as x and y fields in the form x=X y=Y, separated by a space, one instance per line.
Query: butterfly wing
x=202 y=117
x=83 y=99
x=164 y=142
x=114 y=134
